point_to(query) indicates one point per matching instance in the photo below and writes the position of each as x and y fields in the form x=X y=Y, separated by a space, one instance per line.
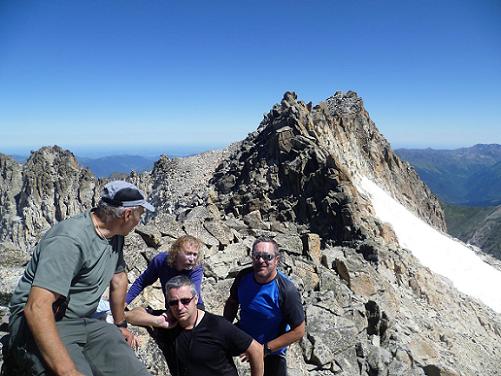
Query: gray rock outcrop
x=48 y=188
x=300 y=166
x=486 y=234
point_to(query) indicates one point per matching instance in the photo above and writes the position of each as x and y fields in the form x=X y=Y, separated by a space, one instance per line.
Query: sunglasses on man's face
x=184 y=301
x=265 y=256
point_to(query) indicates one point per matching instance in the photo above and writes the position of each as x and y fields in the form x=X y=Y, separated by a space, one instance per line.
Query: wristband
x=122 y=324
x=267 y=350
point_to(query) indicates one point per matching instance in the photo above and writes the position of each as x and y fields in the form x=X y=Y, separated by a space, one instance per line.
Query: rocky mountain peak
x=364 y=150
x=301 y=166
x=345 y=104
x=48 y=188
x=284 y=173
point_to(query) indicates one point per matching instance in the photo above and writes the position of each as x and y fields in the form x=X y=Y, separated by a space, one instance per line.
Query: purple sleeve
x=149 y=276
x=196 y=277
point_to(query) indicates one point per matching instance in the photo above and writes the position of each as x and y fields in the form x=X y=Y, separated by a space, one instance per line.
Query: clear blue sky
x=126 y=75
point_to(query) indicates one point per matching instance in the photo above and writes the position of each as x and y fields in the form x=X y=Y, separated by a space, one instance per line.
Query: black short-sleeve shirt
x=208 y=348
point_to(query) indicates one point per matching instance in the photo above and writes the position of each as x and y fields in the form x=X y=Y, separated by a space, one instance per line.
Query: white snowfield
x=435 y=250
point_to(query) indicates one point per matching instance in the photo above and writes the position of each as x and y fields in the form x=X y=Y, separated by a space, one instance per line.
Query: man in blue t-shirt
x=270 y=306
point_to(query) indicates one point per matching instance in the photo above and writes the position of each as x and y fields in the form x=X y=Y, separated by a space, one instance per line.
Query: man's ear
x=127 y=213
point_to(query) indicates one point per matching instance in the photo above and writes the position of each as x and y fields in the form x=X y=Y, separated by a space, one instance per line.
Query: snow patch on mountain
x=443 y=255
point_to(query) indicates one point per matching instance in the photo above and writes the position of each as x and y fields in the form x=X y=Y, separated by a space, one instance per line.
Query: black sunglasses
x=265 y=256
x=184 y=301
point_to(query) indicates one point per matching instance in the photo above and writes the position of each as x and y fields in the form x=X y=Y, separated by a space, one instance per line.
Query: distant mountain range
x=110 y=165
x=117 y=163
x=467 y=176
x=468 y=182
x=113 y=164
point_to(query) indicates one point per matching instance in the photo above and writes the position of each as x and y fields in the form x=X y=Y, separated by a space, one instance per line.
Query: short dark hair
x=178 y=282
x=266 y=239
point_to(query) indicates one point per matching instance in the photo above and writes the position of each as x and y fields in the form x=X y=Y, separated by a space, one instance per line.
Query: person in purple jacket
x=183 y=258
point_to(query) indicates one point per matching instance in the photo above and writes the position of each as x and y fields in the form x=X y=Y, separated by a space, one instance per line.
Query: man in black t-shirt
x=205 y=343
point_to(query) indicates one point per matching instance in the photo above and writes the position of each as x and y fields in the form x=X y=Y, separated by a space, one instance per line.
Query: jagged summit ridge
x=301 y=163
x=282 y=172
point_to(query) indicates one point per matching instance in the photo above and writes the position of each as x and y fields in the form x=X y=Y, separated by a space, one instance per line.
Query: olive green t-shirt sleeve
x=120 y=263
x=118 y=246
x=59 y=261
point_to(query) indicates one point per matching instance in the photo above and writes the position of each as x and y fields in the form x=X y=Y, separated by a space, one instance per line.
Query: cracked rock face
x=300 y=165
x=48 y=188
x=371 y=308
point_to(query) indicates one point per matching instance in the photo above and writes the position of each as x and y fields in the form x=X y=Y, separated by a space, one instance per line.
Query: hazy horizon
x=151 y=151
x=116 y=150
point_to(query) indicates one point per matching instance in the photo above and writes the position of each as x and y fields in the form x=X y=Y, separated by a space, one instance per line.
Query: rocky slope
x=487 y=234
x=371 y=308
x=390 y=317
x=479 y=226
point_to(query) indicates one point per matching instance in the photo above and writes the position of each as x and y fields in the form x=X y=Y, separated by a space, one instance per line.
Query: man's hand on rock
x=130 y=338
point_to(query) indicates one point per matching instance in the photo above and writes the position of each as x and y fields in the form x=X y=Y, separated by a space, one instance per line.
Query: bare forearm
x=287 y=338
x=139 y=316
x=118 y=290
x=40 y=319
x=255 y=356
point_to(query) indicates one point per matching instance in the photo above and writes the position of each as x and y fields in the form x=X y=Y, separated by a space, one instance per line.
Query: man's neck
x=193 y=320
x=102 y=229
x=262 y=280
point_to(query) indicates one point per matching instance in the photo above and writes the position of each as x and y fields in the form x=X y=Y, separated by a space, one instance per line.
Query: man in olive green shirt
x=51 y=328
